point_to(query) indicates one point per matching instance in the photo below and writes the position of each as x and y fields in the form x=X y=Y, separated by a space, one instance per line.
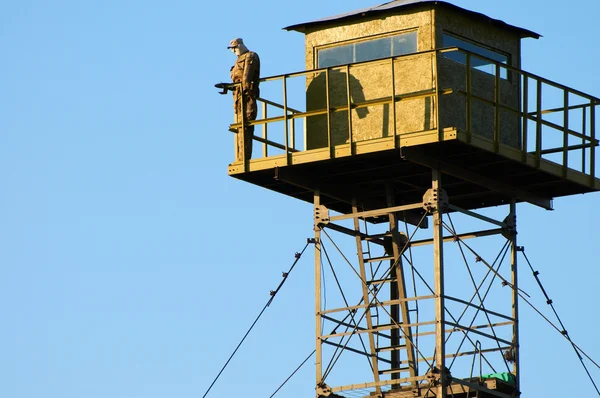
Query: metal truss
x=415 y=310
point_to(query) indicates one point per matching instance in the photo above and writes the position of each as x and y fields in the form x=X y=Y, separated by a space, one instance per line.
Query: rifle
x=226 y=87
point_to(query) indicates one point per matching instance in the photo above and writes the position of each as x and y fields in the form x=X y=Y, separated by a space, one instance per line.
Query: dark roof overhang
x=386 y=8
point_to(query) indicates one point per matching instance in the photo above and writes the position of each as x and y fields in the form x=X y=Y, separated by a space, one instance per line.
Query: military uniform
x=246 y=71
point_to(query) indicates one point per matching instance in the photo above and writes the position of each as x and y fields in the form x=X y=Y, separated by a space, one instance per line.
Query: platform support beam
x=438 y=272
x=515 y=296
x=319 y=332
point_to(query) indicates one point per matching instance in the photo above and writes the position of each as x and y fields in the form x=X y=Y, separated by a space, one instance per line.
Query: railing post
x=525 y=117
x=583 y=139
x=565 y=132
x=497 y=109
x=592 y=142
x=264 y=130
x=242 y=131
x=285 y=121
x=538 y=128
x=348 y=93
x=437 y=93
x=328 y=103
x=396 y=143
x=469 y=98
x=293 y=131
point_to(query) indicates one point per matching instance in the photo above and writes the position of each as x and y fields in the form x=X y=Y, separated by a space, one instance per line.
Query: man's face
x=235 y=50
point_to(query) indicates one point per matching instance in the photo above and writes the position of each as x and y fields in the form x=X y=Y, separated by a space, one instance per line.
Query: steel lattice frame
x=411 y=331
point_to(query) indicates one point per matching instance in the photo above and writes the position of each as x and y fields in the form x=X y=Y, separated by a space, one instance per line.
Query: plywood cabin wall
x=372 y=81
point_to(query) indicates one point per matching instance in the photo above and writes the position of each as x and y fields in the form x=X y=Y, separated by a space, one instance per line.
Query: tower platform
x=492 y=135
x=477 y=173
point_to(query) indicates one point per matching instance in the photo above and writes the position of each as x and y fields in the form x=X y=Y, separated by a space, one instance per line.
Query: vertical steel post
x=438 y=275
x=319 y=332
x=525 y=118
x=399 y=312
x=515 y=296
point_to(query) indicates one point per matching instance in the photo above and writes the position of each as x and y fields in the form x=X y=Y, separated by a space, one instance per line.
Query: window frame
x=367 y=39
x=504 y=72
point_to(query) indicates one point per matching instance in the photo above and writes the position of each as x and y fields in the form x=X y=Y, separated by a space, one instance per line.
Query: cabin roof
x=406 y=4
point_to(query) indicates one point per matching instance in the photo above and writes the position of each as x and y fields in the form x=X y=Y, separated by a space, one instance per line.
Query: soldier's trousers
x=244 y=136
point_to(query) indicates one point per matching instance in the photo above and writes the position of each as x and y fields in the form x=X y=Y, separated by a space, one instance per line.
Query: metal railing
x=547 y=120
x=567 y=129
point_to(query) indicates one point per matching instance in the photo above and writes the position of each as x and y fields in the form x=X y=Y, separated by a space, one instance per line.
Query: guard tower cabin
x=427 y=83
x=410 y=112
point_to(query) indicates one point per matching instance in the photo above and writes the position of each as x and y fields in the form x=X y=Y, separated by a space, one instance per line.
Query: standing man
x=246 y=71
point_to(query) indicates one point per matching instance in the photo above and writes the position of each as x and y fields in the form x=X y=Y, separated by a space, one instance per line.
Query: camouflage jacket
x=246 y=70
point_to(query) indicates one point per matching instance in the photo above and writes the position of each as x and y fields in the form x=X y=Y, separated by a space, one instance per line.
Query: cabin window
x=368 y=50
x=482 y=64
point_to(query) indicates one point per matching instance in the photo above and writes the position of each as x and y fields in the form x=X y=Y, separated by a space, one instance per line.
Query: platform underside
x=475 y=173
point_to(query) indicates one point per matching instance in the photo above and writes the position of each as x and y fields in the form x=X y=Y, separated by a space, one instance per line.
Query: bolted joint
x=284 y=274
x=509 y=355
x=436 y=377
x=297 y=255
x=435 y=200
x=323 y=390
x=509 y=227
x=311 y=240
x=321 y=216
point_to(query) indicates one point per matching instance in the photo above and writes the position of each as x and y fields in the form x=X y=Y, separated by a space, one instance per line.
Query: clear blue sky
x=131 y=264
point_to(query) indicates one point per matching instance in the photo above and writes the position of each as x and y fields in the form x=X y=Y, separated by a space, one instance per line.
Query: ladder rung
x=376 y=259
x=389 y=326
x=391 y=371
x=381 y=281
x=391 y=348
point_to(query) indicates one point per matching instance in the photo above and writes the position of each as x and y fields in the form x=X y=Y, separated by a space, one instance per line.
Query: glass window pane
x=373 y=49
x=404 y=44
x=335 y=56
x=478 y=63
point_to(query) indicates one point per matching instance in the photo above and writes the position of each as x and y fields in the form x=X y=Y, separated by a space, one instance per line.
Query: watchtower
x=415 y=116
